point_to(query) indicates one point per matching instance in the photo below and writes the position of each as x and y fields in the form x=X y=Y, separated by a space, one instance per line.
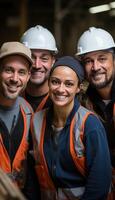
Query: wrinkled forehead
x=41 y=52
x=14 y=60
x=96 y=54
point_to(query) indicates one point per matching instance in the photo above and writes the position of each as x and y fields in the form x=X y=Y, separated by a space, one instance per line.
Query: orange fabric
x=41 y=105
x=79 y=161
x=18 y=164
x=41 y=168
x=43 y=174
x=111 y=196
x=22 y=150
x=4 y=160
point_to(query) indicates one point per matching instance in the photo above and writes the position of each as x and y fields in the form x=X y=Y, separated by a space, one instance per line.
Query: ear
x=79 y=88
x=53 y=60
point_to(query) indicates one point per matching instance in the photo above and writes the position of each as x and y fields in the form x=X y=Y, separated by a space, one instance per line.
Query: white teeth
x=60 y=97
x=38 y=72
x=12 y=88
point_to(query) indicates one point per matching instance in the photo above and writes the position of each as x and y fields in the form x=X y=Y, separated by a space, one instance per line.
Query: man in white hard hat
x=96 y=50
x=43 y=47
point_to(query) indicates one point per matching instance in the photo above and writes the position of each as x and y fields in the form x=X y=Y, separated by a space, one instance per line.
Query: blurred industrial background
x=66 y=19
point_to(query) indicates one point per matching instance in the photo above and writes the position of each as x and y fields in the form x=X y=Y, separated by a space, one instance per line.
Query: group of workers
x=53 y=145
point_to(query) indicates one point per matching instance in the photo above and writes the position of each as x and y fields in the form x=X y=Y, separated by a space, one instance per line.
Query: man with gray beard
x=96 y=50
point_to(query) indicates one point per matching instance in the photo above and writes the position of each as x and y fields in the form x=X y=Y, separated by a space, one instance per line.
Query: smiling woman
x=64 y=85
x=66 y=133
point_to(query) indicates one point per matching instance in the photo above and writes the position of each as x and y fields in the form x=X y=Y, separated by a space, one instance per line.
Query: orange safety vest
x=48 y=190
x=17 y=171
x=42 y=103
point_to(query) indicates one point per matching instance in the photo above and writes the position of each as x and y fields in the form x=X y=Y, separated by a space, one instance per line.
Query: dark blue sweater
x=61 y=166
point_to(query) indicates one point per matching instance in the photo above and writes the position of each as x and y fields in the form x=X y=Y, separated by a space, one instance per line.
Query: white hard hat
x=39 y=37
x=94 y=39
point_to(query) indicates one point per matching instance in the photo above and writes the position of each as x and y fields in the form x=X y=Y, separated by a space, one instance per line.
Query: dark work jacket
x=106 y=113
x=13 y=140
x=61 y=166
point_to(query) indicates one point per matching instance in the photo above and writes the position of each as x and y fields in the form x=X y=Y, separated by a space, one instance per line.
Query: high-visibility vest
x=16 y=171
x=42 y=103
x=48 y=190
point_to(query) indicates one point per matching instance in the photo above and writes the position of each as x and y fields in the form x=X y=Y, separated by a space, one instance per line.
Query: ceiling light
x=100 y=8
x=112 y=4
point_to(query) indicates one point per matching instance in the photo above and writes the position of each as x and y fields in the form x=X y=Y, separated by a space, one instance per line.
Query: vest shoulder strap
x=77 y=147
x=27 y=110
x=26 y=106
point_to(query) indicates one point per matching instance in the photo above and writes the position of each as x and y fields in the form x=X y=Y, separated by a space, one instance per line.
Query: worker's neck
x=7 y=102
x=37 y=90
x=61 y=114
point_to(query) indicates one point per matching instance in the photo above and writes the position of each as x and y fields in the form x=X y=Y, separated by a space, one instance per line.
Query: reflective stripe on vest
x=17 y=171
x=41 y=168
x=28 y=111
x=76 y=149
x=76 y=145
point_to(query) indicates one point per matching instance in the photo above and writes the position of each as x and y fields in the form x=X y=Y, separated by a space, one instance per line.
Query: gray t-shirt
x=9 y=115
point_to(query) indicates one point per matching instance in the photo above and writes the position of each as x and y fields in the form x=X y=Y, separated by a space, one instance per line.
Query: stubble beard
x=103 y=84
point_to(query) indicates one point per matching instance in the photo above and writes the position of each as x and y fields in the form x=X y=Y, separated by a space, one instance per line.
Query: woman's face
x=63 y=86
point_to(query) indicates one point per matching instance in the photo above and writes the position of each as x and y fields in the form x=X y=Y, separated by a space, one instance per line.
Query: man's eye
x=22 y=73
x=8 y=70
x=45 y=59
x=87 y=62
x=102 y=59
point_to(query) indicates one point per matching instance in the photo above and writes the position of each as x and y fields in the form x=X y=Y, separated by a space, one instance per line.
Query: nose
x=61 y=87
x=15 y=77
x=37 y=63
x=96 y=65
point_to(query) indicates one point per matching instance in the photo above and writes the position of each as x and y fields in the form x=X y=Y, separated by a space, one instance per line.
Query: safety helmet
x=94 y=39
x=39 y=37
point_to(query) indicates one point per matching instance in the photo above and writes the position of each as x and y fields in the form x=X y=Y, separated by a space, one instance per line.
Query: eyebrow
x=59 y=79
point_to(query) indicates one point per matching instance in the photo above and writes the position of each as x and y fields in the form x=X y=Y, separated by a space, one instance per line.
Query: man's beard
x=103 y=84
